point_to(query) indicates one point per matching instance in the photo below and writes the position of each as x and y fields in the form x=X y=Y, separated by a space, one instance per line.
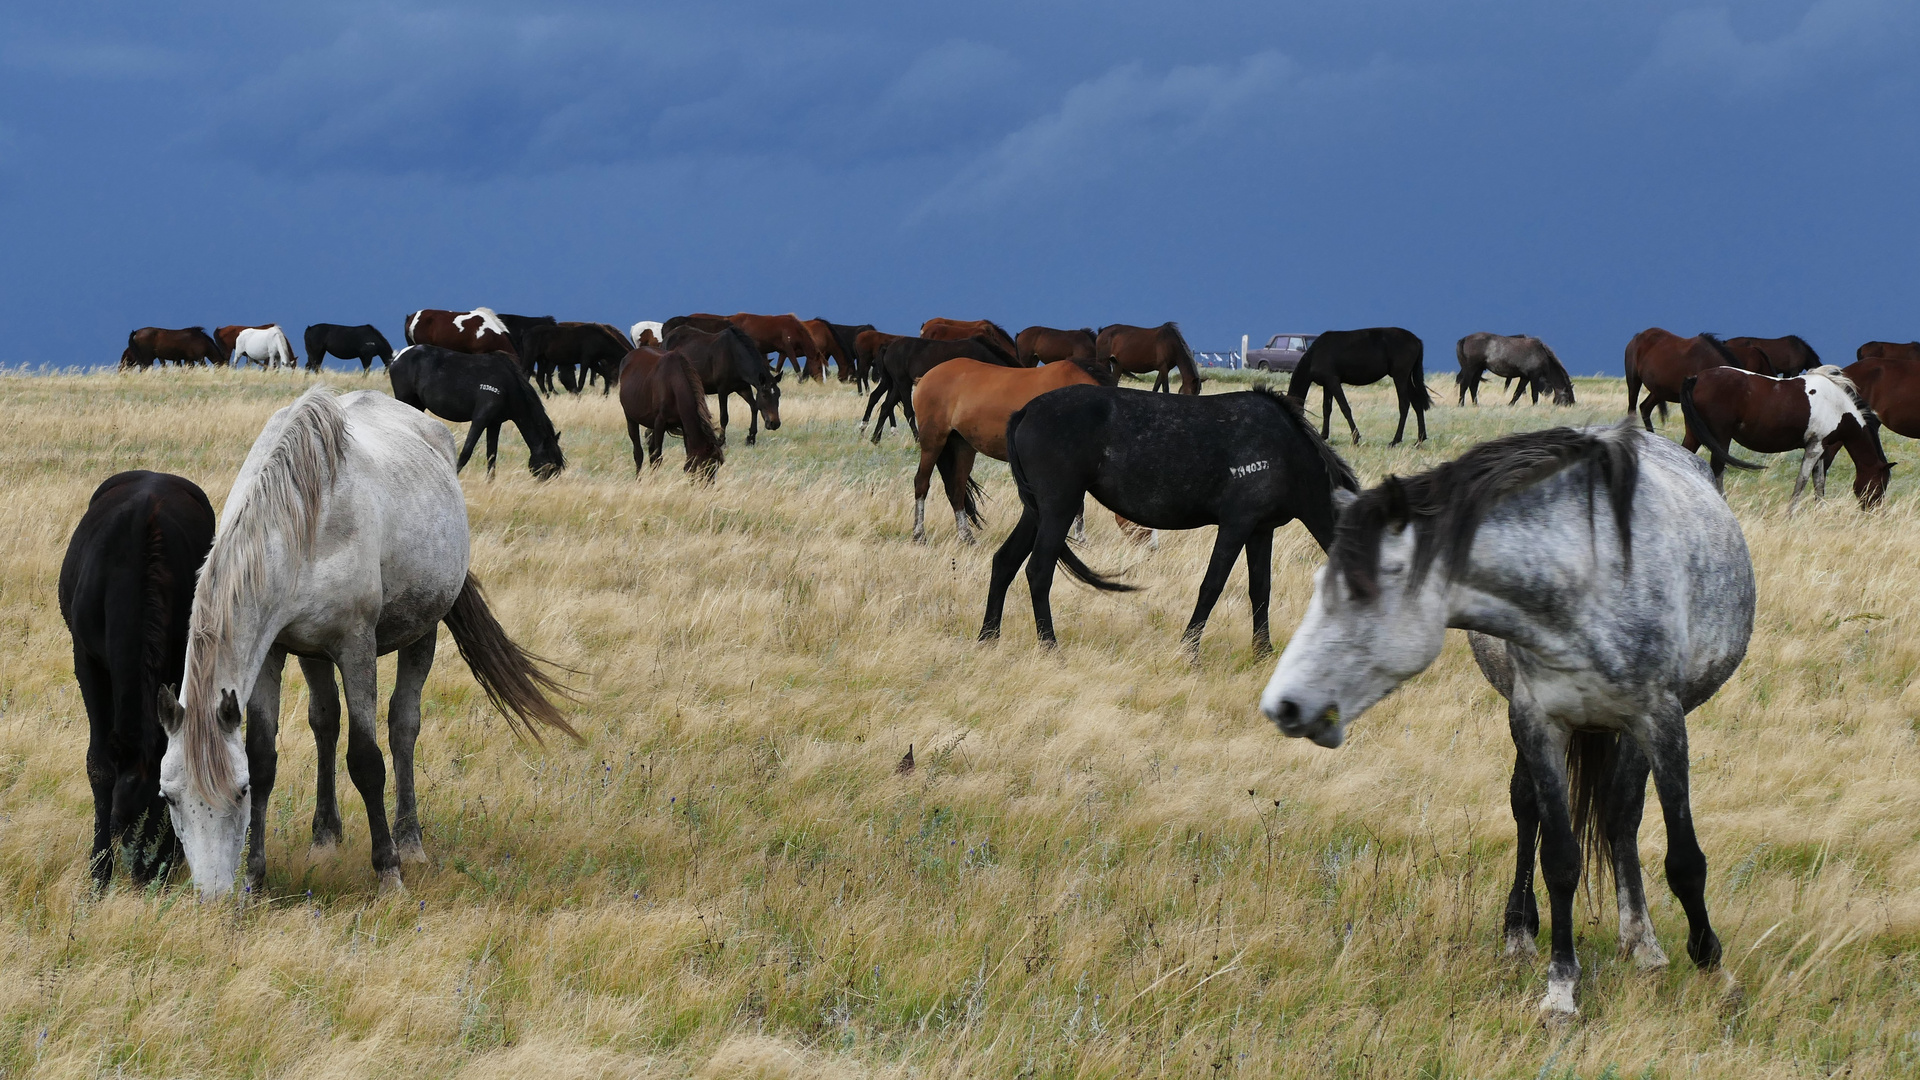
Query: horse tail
x=1417 y=391
x=1184 y=358
x=1031 y=503
x=970 y=505
x=1591 y=759
x=1718 y=450
x=696 y=423
x=513 y=678
x=1460 y=378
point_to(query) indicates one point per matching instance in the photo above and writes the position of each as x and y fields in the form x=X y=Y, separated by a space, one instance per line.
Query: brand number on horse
x=494 y=389
x=1239 y=471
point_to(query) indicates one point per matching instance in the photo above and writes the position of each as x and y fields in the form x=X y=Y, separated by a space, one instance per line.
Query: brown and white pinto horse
x=1661 y=361
x=476 y=331
x=1044 y=345
x=1891 y=384
x=1140 y=349
x=961 y=329
x=963 y=406
x=1817 y=413
x=1783 y=357
x=661 y=391
x=192 y=345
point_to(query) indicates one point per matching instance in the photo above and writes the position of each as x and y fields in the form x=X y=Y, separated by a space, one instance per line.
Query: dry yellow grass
x=1104 y=864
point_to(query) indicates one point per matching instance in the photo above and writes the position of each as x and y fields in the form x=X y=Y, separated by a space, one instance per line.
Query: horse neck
x=233 y=632
x=1515 y=585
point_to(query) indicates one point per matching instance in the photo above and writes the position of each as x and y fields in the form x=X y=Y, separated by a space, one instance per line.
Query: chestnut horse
x=192 y=345
x=478 y=331
x=661 y=391
x=1783 y=357
x=1661 y=361
x=963 y=406
x=1140 y=349
x=784 y=335
x=1816 y=413
x=1891 y=385
x=1044 y=345
x=831 y=342
x=962 y=329
x=702 y=321
x=1889 y=349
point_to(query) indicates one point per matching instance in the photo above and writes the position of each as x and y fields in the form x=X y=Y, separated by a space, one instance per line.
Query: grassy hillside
x=1105 y=864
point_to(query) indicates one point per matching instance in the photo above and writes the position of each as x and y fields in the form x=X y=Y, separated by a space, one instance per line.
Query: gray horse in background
x=1621 y=593
x=1521 y=357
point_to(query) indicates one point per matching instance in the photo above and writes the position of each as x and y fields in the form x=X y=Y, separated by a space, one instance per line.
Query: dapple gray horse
x=344 y=538
x=1525 y=358
x=1621 y=589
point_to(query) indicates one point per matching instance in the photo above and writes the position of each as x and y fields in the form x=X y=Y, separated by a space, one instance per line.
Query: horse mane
x=1104 y=375
x=1802 y=342
x=1338 y=471
x=1839 y=378
x=283 y=501
x=614 y=333
x=1446 y=505
x=1726 y=354
x=155 y=614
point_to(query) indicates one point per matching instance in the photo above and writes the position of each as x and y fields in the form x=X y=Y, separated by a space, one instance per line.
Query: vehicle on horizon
x=1281 y=353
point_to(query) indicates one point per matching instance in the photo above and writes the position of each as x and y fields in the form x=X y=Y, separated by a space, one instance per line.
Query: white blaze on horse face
x=213 y=837
x=1349 y=652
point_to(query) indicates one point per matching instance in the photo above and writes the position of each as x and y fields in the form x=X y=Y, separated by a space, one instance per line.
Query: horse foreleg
x=1227 y=543
x=1521 y=389
x=1260 y=587
x=323 y=716
x=493 y=446
x=1544 y=750
x=639 y=448
x=1326 y=411
x=1006 y=563
x=263 y=762
x=403 y=730
x=1340 y=396
x=657 y=443
x=723 y=417
x=1162 y=382
x=753 y=417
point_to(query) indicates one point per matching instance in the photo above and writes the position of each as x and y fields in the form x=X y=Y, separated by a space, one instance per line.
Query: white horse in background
x=344 y=538
x=658 y=330
x=269 y=348
x=1621 y=595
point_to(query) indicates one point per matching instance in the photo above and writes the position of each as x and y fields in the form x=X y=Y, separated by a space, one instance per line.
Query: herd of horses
x=1605 y=584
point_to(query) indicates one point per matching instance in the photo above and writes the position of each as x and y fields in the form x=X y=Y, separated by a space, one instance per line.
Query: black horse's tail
x=1715 y=448
x=1418 y=394
x=1031 y=504
x=974 y=492
x=1591 y=757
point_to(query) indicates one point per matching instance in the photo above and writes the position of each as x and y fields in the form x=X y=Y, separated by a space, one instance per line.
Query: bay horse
x=1816 y=413
x=868 y=346
x=1362 y=358
x=126 y=589
x=963 y=406
x=1891 y=385
x=577 y=351
x=1140 y=349
x=1247 y=462
x=782 y=335
x=846 y=336
x=1782 y=357
x=728 y=363
x=476 y=331
x=344 y=538
x=364 y=343
x=829 y=344
x=1044 y=345
x=938 y=329
x=1661 y=361
x=192 y=345
x=1521 y=357
x=907 y=359
x=227 y=335
x=661 y=391
x=483 y=391
x=267 y=346
x=1889 y=349
x=1619 y=587
x=703 y=321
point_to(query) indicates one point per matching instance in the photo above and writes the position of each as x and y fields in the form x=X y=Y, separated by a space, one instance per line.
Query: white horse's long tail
x=513 y=678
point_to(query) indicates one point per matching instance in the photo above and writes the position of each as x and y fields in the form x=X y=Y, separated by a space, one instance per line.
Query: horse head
x=211 y=824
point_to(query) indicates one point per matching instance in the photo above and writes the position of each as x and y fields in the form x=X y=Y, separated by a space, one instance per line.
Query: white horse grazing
x=344 y=538
x=1622 y=592
x=659 y=331
x=269 y=348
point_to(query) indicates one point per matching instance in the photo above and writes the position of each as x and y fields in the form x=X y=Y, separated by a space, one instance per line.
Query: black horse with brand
x=728 y=362
x=126 y=593
x=1248 y=463
x=364 y=343
x=485 y=390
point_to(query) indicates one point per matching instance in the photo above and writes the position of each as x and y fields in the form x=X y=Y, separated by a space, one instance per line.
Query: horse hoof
x=411 y=851
x=920 y=538
x=1520 y=946
x=390 y=883
x=325 y=842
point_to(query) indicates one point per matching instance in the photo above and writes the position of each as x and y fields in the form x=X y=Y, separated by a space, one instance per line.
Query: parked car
x=1282 y=353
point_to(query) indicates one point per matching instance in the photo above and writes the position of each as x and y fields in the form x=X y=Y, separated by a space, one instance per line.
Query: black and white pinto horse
x=1248 y=463
x=1620 y=590
x=1520 y=357
x=126 y=590
x=484 y=390
x=344 y=538
x=364 y=343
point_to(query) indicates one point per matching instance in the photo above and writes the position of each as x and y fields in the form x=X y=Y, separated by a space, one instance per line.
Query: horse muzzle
x=1320 y=724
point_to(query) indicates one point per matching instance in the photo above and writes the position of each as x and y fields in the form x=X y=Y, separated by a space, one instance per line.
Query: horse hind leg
x=1006 y=563
x=1626 y=799
x=1686 y=864
x=1521 y=920
x=1227 y=543
x=403 y=730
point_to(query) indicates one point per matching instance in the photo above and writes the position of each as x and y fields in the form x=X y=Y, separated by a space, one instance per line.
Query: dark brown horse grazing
x=1140 y=349
x=1781 y=357
x=783 y=335
x=727 y=364
x=1661 y=361
x=1044 y=345
x=939 y=329
x=963 y=406
x=827 y=346
x=476 y=331
x=1891 y=385
x=192 y=345
x=1817 y=413
x=660 y=391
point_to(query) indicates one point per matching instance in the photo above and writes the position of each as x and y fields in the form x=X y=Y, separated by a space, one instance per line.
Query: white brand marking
x=1239 y=471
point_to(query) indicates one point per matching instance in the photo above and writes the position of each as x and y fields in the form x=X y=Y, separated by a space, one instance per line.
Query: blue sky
x=1578 y=170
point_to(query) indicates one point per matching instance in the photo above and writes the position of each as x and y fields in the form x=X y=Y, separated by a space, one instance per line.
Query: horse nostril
x=1289 y=712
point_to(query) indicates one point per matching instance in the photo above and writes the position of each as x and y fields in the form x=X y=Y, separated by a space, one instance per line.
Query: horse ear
x=229 y=712
x=1343 y=501
x=168 y=709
